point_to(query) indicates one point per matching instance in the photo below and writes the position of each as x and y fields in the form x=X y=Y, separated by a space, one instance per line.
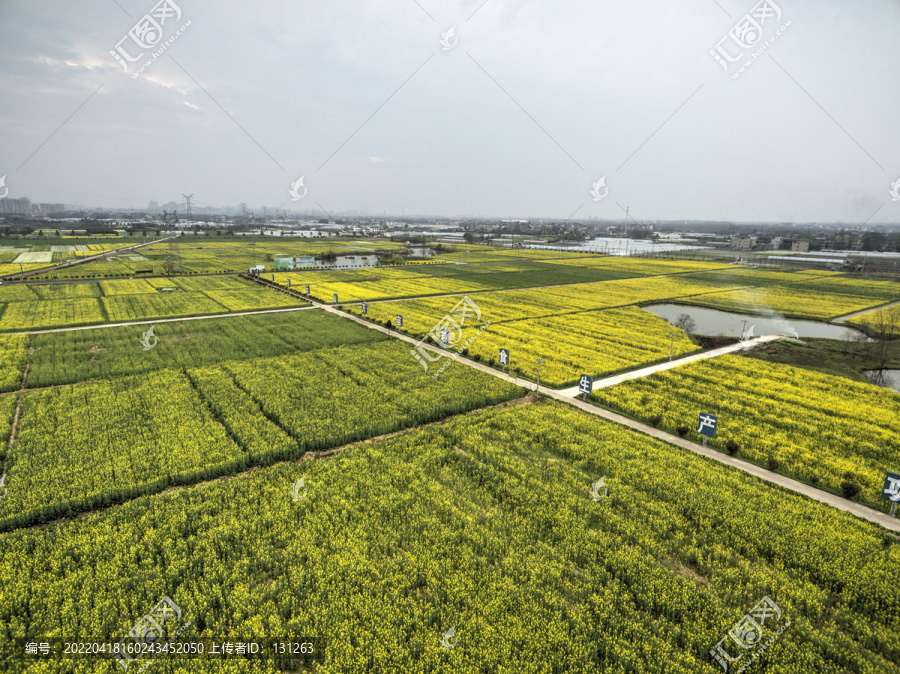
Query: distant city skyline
x=257 y=211
x=751 y=111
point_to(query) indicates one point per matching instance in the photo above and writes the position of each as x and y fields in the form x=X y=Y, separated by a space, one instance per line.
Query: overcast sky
x=532 y=103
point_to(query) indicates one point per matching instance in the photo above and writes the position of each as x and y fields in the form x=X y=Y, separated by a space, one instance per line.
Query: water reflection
x=890 y=378
x=714 y=323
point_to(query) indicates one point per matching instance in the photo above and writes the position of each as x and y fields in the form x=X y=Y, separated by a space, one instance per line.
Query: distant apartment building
x=15 y=206
x=743 y=242
x=800 y=246
x=48 y=208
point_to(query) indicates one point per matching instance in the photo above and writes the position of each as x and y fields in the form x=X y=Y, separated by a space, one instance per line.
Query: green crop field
x=69 y=357
x=166 y=433
x=297 y=472
x=486 y=525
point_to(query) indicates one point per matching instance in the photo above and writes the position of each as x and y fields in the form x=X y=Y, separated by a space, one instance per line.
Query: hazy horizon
x=516 y=114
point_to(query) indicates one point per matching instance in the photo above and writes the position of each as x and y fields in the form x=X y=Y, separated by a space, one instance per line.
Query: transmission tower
x=187 y=199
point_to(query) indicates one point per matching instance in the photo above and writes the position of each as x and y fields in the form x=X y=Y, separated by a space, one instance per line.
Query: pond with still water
x=713 y=323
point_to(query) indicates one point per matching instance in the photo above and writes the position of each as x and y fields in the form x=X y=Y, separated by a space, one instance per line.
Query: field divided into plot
x=485 y=524
x=597 y=343
x=69 y=357
x=420 y=315
x=813 y=424
x=103 y=441
x=18 y=258
x=13 y=354
x=805 y=294
x=377 y=284
x=7 y=410
x=61 y=305
x=880 y=321
x=792 y=301
x=200 y=256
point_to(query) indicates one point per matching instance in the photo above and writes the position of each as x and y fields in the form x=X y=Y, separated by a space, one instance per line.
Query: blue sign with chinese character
x=708 y=423
x=307 y=289
x=334 y=295
x=504 y=357
x=399 y=321
x=365 y=308
x=891 y=488
x=586 y=384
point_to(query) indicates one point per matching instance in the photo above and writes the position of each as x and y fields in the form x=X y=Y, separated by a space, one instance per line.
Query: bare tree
x=169 y=266
x=685 y=322
x=884 y=325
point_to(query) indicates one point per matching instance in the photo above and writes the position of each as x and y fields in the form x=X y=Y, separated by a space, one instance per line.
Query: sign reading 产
x=365 y=308
x=585 y=384
x=891 y=490
x=708 y=423
x=399 y=321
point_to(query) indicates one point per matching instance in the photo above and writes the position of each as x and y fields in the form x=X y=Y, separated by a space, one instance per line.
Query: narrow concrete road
x=840 y=320
x=678 y=362
x=861 y=511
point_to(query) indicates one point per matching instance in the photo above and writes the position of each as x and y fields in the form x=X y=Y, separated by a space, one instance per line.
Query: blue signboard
x=365 y=308
x=504 y=357
x=307 y=289
x=586 y=384
x=334 y=295
x=399 y=321
x=708 y=423
x=891 y=488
